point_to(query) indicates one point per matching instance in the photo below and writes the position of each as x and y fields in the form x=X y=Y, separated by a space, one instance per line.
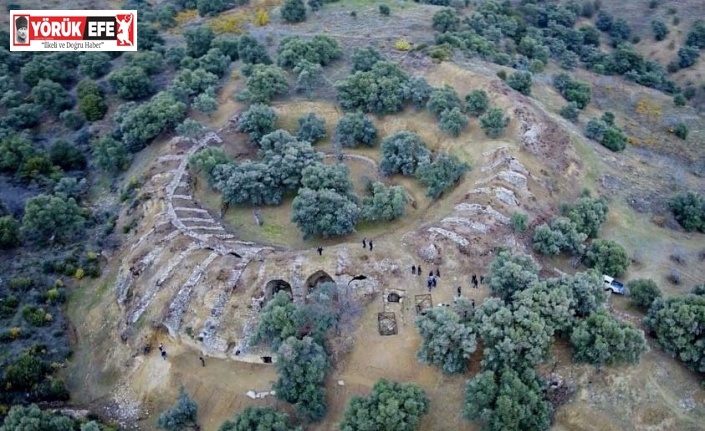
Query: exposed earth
x=193 y=278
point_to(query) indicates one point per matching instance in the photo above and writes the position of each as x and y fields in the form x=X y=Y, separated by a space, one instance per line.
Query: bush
x=251 y=51
x=643 y=292
x=210 y=7
x=142 y=123
x=94 y=64
x=52 y=218
x=696 y=35
x=609 y=136
x=51 y=96
x=551 y=301
x=110 y=155
x=441 y=174
x=520 y=221
x=681 y=130
x=311 y=128
x=476 y=103
x=382 y=90
x=363 y=59
x=676 y=323
x=259 y=418
x=418 y=91
x=570 y=112
x=494 y=122
x=604 y=21
x=491 y=395
x=601 y=340
x=293 y=11
x=36 y=316
x=150 y=61
x=264 y=83
x=660 y=30
x=308 y=76
x=453 y=122
x=257 y=121
x=562 y=235
x=181 y=416
x=443 y=99
x=572 y=90
x=521 y=82
x=689 y=210
x=385 y=204
x=67 y=156
x=403 y=152
x=384 y=9
x=355 y=128
x=301 y=366
x=375 y=411
x=446 y=342
x=130 y=83
x=679 y=100
x=607 y=257
x=72 y=120
x=588 y=214
x=324 y=212
x=510 y=273
x=334 y=177
x=320 y=50
x=688 y=56
x=9 y=232
x=198 y=40
x=446 y=20
x=25 y=372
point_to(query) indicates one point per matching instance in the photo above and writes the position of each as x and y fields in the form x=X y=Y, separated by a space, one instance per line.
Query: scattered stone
x=429 y=253
x=451 y=236
x=506 y=196
x=474 y=225
x=513 y=178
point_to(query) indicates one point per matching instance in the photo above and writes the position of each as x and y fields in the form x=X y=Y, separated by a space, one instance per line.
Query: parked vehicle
x=613 y=285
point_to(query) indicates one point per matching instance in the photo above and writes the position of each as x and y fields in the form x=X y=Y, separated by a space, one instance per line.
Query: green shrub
x=293 y=11
x=364 y=413
x=36 y=316
x=607 y=257
x=311 y=128
x=689 y=210
x=441 y=174
x=403 y=153
x=681 y=130
x=676 y=322
x=493 y=122
x=384 y=9
x=601 y=339
x=643 y=292
x=521 y=82
x=476 y=103
x=520 y=222
x=453 y=122
x=385 y=204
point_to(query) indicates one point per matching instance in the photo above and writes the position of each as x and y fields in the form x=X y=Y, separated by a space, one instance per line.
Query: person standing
x=370 y=245
x=418 y=270
x=413 y=269
x=320 y=251
x=203 y=361
x=438 y=273
x=364 y=242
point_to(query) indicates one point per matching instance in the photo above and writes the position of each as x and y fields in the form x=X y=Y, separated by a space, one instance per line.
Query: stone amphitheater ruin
x=189 y=276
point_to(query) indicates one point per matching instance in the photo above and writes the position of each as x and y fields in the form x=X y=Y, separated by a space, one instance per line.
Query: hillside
x=204 y=219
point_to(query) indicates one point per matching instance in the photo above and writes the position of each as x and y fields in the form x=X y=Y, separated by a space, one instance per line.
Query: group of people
x=365 y=243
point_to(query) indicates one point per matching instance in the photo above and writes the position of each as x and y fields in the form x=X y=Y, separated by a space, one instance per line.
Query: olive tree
x=50 y=218
x=476 y=103
x=312 y=128
x=183 y=415
x=552 y=301
x=493 y=122
x=677 y=323
x=198 y=40
x=441 y=174
x=607 y=257
x=324 y=212
x=141 y=124
x=251 y=51
x=381 y=90
x=257 y=121
x=446 y=342
x=110 y=155
x=512 y=337
x=446 y=20
x=510 y=273
x=643 y=292
x=453 y=122
x=601 y=339
x=355 y=128
x=390 y=406
x=588 y=214
x=250 y=183
x=206 y=160
x=333 y=177
x=364 y=58
x=9 y=232
x=264 y=83
x=94 y=64
x=301 y=366
x=561 y=235
x=403 y=153
x=259 y=419
x=293 y=11
x=385 y=204
x=689 y=211
x=443 y=99
x=51 y=96
x=508 y=399
x=130 y=83
x=521 y=82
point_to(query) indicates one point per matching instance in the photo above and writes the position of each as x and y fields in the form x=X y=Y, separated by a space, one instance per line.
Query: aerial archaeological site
x=356 y=215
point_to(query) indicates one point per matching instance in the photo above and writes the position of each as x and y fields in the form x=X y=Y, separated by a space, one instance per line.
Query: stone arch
x=316 y=278
x=275 y=286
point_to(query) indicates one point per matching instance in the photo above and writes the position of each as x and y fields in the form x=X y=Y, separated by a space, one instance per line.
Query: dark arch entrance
x=317 y=278
x=275 y=286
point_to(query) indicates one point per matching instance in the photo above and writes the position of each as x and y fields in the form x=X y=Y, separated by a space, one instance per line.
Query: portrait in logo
x=21 y=30
x=125 y=29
